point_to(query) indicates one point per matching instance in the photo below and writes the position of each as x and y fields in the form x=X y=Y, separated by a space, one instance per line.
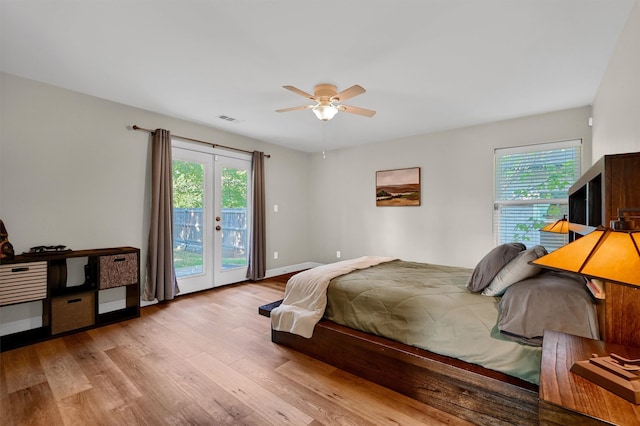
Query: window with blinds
x=531 y=185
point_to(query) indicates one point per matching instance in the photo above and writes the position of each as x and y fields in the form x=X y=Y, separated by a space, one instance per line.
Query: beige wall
x=72 y=172
x=454 y=224
x=616 y=109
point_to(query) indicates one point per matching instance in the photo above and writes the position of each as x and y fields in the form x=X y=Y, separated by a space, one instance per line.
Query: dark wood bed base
x=468 y=391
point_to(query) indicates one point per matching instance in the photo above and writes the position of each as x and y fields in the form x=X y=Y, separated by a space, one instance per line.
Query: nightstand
x=568 y=390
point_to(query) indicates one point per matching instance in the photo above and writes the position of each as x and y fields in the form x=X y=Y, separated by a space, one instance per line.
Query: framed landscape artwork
x=399 y=187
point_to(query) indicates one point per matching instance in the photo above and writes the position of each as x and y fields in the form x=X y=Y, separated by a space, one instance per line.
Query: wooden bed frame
x=468 y=391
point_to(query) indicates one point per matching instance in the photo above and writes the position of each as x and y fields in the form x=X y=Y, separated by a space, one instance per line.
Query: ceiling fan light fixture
x=329 y=101
x=325 y=111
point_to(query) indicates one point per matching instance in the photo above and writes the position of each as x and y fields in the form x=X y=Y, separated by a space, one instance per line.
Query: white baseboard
x=268 y=274
x=291 y=268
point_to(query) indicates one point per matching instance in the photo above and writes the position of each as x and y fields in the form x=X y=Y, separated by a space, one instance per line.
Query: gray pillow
x=516 y=270
x=491 y=264
x=549 y=301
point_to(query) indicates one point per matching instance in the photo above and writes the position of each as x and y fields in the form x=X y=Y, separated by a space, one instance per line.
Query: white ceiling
x=427 y=65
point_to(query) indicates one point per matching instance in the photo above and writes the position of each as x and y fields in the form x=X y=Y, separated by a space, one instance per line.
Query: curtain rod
x=136 y=127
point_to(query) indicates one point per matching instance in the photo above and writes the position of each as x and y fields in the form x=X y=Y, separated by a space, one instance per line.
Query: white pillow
x=516 y=270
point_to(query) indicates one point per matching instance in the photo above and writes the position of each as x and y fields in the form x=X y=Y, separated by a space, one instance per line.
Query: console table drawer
x=72 y=312
x=23 y=282
x=118 y=270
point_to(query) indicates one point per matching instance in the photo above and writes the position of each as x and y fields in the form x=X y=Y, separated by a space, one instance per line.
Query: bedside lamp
x=560 y=226
x=604 y=254
x=610 y=255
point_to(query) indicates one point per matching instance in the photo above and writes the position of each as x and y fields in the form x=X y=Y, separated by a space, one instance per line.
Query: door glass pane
x=234 y=218
x=188 y=202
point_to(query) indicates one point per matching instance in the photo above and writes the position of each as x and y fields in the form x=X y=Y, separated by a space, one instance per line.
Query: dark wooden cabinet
x=68 y=308
x=612 y=183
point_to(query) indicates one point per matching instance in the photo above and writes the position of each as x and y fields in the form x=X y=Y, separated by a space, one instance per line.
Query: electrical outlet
x=275 y=254
x=338 y=254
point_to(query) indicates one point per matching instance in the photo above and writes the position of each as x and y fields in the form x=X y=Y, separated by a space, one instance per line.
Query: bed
x=463 y=340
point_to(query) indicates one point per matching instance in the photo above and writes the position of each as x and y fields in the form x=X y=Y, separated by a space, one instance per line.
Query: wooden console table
x=69 y=307
x=561 y=387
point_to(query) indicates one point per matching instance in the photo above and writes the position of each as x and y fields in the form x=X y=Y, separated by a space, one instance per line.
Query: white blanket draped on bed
x=305 y=296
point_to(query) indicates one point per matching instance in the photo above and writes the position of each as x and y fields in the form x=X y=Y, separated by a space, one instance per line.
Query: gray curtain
x=161 y=281
x=258 y=247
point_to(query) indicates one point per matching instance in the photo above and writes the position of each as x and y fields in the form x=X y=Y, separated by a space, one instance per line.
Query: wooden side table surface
x=561 y=387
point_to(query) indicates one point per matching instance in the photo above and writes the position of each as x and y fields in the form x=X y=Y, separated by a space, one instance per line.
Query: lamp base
x=607 y=373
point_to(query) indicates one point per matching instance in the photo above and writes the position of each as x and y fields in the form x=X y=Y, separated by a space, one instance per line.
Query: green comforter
x=428 y=306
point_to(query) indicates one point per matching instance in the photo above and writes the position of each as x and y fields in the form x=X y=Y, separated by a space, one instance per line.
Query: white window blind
x=531 y=185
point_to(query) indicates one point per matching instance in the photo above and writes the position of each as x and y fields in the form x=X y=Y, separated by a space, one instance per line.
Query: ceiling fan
x=328 y=101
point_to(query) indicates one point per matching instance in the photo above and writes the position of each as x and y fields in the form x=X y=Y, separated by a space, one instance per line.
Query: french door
x=212 y=216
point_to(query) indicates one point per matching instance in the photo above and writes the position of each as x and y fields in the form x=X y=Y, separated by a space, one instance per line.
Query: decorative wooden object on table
x=6 y=249
x=43 y=276
x=561 y=387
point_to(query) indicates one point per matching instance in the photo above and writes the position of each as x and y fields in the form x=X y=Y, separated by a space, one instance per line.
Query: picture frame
x=398 y=187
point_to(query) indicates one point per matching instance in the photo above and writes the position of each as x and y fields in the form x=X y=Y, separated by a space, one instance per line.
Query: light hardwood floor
x=203 y=359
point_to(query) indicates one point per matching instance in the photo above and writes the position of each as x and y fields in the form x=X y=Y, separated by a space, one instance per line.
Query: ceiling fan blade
x=356 y=110
x=294 y=108
x=349 y=93
x=299 y=92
